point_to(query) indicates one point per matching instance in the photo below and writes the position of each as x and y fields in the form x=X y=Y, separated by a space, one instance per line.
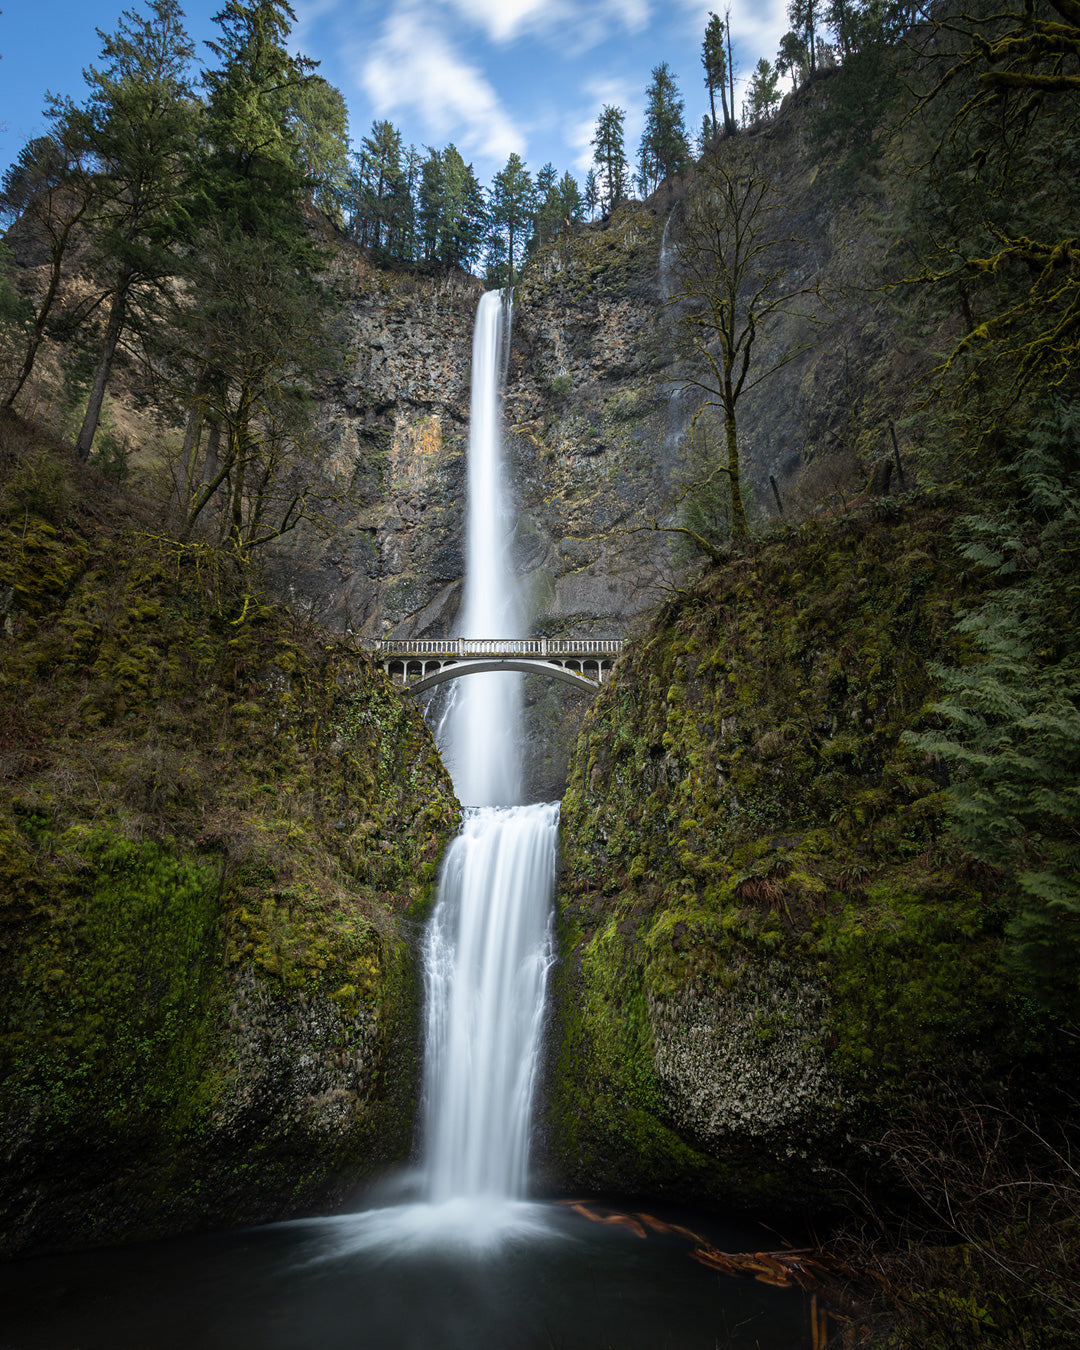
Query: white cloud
x=503 y=20
x=413 y=66
x=576 y=25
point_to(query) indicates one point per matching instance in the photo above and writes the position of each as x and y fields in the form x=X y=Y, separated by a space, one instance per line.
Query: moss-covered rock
x=214 y=826
x=769 y=945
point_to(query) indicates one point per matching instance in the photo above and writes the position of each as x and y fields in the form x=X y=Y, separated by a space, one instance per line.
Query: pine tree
x=591 y=198
x=250 y=173
x=664 y=151
x=463 y=217
x=571 y=204
x=792 y=58
x=50 y=184
x=380 y=183
x=714 y=59
x=253 y=319
x=803 y=15
x=511 y=209
x=762 y=94
x=609 y=154
x=317 y=122
x=138 y=126
x=549 y=213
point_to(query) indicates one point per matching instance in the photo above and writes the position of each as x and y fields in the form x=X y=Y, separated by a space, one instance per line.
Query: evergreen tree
x=406 y=238
x=511 y=209
x=138 y=127
x=259 y=325
x=429 y=205
x=792 y=58
x=249 y=172
x=549 y=213
x=609 y=154
x=464 y=217
x=381 y=185
x=803 y=15
x=317 y=121
x=451 y=212
x=249 y=274
x=664 y=151
x=714 y=59
x=571 y=204
x=49 y=184
x=762 y=93
x=591 y=198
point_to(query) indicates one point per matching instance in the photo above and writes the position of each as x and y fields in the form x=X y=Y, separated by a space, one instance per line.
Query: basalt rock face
x=587 y=431
x=768 y=951
x=396 y=422
x=217 y=830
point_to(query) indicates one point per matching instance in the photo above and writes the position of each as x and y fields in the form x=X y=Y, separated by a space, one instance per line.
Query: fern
x=1011 y=717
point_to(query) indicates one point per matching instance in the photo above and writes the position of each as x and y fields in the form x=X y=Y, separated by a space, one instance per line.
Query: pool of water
x=510 y=1277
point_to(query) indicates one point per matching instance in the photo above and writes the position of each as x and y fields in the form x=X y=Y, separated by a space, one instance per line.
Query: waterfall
x=487 y=959
x=489 y=944
x=483 y=725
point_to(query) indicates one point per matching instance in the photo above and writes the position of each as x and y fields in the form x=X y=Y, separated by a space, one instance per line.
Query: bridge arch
x=457 y=670
x=419 y=664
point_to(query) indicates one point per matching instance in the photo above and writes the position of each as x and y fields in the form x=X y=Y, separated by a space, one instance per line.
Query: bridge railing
x=537 y=647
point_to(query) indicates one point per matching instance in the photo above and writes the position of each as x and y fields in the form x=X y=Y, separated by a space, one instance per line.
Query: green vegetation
x=213 y=822
x=747 y=793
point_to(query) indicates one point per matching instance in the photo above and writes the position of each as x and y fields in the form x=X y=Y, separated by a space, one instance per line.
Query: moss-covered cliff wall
x=214 y=826
x=769 y=946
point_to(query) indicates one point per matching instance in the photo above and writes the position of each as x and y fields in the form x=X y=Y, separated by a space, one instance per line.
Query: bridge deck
x=495 y=647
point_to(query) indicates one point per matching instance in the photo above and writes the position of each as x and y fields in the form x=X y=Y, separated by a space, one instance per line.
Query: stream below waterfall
x=461 y=1257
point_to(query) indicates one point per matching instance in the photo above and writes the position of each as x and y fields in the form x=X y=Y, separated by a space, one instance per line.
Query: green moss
x=114 y=991
x=740 y=792
x=212 y=822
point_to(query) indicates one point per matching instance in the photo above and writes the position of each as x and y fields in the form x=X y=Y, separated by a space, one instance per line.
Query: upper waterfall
x=482 y=730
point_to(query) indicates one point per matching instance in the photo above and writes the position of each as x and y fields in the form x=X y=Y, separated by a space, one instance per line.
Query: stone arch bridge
x=422 y=663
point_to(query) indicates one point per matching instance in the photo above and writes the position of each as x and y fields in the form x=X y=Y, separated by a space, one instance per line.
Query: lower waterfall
x=487 y=956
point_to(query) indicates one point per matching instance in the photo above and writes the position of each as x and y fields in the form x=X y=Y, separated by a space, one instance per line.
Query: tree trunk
x=115 y=326
x=730 y=115
x=740 y=530
x=37 y=334
x=216 y=472
x=56 y=256
x=189 y=455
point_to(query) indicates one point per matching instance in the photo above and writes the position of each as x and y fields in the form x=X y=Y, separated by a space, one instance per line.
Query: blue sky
x=493 y=76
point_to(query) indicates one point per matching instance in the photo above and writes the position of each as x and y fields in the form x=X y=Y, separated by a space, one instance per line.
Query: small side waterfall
x=489 y=944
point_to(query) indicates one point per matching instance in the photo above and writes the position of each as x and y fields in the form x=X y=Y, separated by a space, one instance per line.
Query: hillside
x=215 y=822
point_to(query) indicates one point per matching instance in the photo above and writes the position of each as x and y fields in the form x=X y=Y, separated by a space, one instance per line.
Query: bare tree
x=735 y=279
